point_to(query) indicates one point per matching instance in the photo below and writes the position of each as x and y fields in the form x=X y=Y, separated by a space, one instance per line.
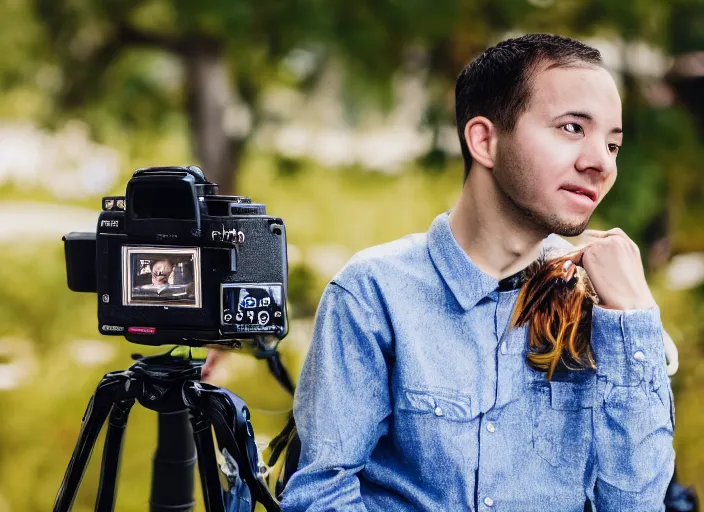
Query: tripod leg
x=229 y=416
x=111 y=455
x=172 y=477
x=93 y=419
x=207 y=463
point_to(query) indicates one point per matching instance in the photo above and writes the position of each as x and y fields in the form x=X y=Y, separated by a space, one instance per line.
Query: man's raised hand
x=612 y=262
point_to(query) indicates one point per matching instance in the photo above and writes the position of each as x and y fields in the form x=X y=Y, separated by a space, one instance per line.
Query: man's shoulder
x=390 y=259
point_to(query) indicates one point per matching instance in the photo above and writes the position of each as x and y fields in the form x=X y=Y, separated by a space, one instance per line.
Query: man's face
x=161 y=270
x=568 y=137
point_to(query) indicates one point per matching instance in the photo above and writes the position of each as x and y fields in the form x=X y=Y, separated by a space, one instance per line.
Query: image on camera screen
x=158 y=276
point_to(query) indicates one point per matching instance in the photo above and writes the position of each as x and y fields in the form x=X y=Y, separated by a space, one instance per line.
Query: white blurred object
x=92 y=352
x=21 y=366
x=292 y=141
x=670 y=354
x=67 y=162
x=293 y=254
x=685 y=271
x=27 y=221
x=317 y=125
x=328 y=259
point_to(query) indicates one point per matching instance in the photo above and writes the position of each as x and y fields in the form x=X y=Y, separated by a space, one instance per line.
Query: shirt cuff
x=628 y=344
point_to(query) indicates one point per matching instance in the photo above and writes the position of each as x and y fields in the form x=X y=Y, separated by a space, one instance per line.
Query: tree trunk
x=208 y=99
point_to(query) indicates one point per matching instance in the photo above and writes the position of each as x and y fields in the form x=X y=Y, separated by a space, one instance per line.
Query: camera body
x=174 y=262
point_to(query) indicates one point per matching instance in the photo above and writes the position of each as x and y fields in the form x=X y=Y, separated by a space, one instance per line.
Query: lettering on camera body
x=232 y=236
x=108 y=223
x=113 y=328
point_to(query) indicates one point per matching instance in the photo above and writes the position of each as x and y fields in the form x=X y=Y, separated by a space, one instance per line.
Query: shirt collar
x=468 y=283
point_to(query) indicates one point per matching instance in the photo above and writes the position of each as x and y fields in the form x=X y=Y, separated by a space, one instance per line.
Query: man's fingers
x=596 y=233
x=616 y=235
x=568 y=270
x=215 y=355
x=595 y=236
x=578 y=254
x=591 y=237
x=600 y=233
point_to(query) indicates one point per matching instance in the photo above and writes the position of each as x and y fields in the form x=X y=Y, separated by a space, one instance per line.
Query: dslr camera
x=173 y=261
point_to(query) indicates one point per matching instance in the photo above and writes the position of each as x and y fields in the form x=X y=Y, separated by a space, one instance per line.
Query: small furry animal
x=556 y=301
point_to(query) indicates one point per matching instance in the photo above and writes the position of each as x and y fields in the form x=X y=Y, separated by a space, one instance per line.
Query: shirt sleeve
x=341 y=404
x=634 y=415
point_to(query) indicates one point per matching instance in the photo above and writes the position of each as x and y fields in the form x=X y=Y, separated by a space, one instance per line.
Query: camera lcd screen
x=159 y=276
x=253 y=308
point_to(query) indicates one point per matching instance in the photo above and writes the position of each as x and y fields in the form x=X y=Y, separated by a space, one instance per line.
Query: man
x=161 y=271
x=414 y=394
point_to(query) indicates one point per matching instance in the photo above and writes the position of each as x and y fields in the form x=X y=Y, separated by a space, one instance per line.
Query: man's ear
x=480 y=134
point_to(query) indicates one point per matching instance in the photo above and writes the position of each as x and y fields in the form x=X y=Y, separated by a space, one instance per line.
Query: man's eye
x=614 y=148
x=572 y=128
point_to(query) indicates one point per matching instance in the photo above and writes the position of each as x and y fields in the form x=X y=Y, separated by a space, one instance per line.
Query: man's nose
x=595 y=156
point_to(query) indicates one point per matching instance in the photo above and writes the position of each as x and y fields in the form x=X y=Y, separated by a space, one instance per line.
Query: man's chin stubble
x=553 y=224
x=562 y=228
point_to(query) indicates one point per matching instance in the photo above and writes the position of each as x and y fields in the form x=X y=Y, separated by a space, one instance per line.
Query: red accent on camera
x=142 y=330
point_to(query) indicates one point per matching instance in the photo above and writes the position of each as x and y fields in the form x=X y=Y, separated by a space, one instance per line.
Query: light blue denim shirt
x=415 y=396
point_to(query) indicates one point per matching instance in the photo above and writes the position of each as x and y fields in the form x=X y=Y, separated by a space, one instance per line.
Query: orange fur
x=558 y=314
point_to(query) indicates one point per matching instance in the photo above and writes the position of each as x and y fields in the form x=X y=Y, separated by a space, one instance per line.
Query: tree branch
x=127 y=35
x=83 y=81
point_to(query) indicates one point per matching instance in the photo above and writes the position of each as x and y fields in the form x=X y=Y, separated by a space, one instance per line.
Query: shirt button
x=488 y=502
x=490 y=427
x=639 y=356
x=438 y=411
x=503 y=347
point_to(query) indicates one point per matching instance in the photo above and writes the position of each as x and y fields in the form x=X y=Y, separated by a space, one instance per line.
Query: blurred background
x=340 y=117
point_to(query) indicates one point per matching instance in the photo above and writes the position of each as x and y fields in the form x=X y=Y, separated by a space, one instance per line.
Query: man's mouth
x=585 y=192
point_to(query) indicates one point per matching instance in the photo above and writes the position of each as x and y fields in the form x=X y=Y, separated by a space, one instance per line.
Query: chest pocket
x=440 y=404
x=436 y=428
x=562 y=420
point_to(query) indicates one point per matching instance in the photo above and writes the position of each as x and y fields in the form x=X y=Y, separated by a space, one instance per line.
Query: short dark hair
x=496 y=84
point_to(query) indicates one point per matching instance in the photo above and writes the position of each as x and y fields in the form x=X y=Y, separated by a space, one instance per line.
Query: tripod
x=170 y=386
